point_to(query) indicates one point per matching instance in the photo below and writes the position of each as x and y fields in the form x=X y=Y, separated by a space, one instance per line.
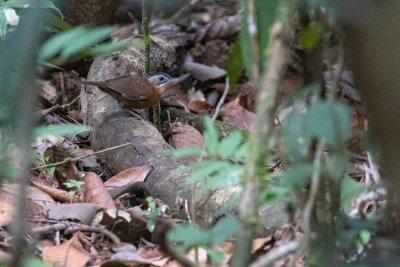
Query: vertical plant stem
x=18 y=62
x=315 y=181
x=268 y=86
x=146 y=36
x=147 y=43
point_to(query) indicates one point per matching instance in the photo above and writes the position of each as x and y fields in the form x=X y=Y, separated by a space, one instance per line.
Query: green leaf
x=265 y=17
x=224 y=229
x=216 y=256
x=51 y=170
x=296 y=139
x=336 y=165
x=109 y=48
x=3 y=24
x=67 y=159
x=234 y=64
x=89 y=38
x=205 y=168
x=28 y=4
x=311 y=36
x=228 y=175
x=365 y=237
x=186 y=151
x=350 y=189
x=33 y=262
x=331 y=122
x=56 y=23
x=189 y=236
x=47 y=64
x=241 y=152
x=54 y=45
x=58 y=130
x=230 y=144
x=210 y=136
x=7 y=170
x=297 y=176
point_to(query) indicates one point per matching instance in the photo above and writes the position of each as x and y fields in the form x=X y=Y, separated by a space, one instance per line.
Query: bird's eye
x=161 y=78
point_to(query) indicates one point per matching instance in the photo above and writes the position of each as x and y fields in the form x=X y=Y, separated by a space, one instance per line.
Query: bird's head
x=163 y=80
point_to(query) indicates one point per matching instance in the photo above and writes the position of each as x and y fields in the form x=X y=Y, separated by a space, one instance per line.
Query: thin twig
x=337 y=73
x=114 y=238
x=146 y=37
x=70 y=227
x=57 y=107
x=276 y=254
x=222 y=99
x=184 y=11
x=78 y=158
x=315 y=181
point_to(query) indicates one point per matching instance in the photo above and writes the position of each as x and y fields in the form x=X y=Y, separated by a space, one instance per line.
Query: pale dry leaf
x=238 y=116
x=57 y=194
x=81 y=212
x=68 y=254
x=37 y=200
x=201 y=107
x=203 y=72
x=128 y=176
x=174 y=96
x=47 y=91
x=218 y=29
x=184 y=135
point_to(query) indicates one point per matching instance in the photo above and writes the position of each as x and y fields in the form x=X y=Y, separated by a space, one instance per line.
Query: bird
x=136 y=91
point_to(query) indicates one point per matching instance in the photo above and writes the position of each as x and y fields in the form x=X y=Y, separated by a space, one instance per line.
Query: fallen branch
x=78 y=158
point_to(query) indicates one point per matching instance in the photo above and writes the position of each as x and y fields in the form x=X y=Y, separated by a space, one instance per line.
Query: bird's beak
x=181 y=79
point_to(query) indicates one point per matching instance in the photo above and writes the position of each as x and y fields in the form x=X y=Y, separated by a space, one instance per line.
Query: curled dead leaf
x=238 y=116
x=57 y=194
x=47 y=91
x=128 y=176
x=218 y=29
x=201 y=107
x=70 y=253
x=96 y=192
x=183 y=135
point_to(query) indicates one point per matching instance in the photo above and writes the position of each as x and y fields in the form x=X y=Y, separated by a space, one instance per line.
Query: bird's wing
x=133 y=88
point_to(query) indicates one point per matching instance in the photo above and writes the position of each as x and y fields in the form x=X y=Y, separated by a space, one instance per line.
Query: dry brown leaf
x=227 y=247
x=57 y=194
x=358 y=122
x=47 y=91
x=95 y=191
x=37 y=200
x=174 y=96
x=128 y=176
x=149 y=252
x=69 y=254
x=5 y=256
x=238 y=116
x=259 y=243
x=183 y=135
x=218 y=29
x=246 y=95
x=201 y=107
x=81 y=212
x=64 y=172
